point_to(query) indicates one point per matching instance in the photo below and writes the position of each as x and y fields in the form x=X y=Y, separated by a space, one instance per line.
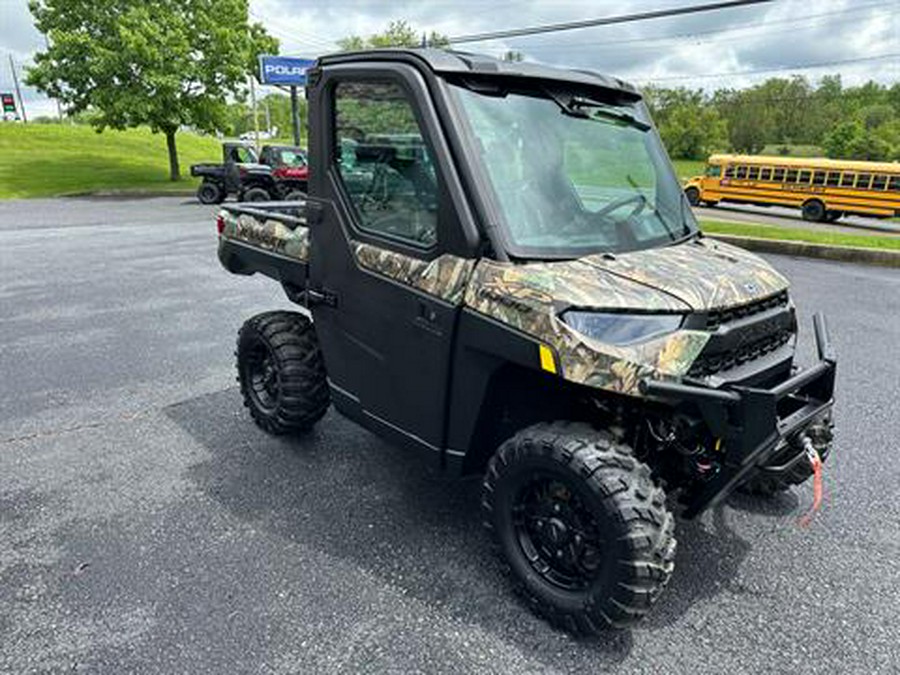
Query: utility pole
x=295 y=115
x=255 y=115
x=12 y=67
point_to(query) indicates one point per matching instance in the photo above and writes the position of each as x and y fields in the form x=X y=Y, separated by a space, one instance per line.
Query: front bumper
x=755 y=424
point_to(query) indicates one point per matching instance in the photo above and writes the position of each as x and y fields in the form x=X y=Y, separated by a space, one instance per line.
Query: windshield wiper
x=577 y=106
x=599 y=109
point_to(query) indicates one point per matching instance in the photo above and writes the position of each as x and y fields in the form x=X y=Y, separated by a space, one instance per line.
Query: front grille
x=710 y=364
x=718 y=317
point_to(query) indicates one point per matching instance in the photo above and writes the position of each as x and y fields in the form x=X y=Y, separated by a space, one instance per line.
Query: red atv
x=280 y=173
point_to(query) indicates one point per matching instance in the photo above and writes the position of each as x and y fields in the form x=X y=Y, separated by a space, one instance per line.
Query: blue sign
x=288 y=70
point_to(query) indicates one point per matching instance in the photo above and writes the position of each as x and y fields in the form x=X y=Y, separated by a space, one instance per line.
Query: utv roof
x=447 y=62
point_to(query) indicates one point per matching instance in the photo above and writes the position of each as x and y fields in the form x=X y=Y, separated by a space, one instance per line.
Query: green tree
x=397 y=34
x=166 y=63
x=692 y=131
x=837 y=142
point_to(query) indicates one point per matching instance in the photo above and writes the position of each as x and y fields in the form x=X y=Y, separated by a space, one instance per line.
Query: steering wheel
x=619 y=203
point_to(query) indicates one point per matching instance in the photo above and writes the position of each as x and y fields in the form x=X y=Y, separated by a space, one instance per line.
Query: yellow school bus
x=824 y=189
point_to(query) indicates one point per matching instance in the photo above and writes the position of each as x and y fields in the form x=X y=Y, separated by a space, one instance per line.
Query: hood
x=702 y=273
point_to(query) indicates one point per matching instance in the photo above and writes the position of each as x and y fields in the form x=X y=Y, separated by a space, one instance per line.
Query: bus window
x=753 y=173
x=879 y=182
x=791 y=176
x=804 y=176
x=894 y=184
x=847 y=179
x=729 y=172
x=819 y=178
x=863 y=180
x=778 y=174
x=834 y=177
x=765 y=173
x=742 y=172
x=713 y=170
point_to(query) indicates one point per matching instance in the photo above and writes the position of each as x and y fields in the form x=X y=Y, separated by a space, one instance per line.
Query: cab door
x=389 y=261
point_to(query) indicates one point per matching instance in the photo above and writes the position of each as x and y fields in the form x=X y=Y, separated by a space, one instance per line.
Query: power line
x=576 y=46
x=606 y=21
x=804 y=66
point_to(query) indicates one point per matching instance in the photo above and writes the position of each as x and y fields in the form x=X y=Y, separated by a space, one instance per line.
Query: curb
x=125 y=194
x=852 y=254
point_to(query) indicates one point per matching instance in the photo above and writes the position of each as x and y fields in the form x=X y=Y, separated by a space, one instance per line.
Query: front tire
x=582 y=526
x=281 y=372
x=693 y=196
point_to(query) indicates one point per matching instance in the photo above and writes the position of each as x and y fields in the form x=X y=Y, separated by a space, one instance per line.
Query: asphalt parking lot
x=147 y=526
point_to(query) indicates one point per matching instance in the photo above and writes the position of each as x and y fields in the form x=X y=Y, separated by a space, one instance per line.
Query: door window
x=384 y=162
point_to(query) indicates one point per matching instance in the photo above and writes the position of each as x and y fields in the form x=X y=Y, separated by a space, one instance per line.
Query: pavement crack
x=50 y=433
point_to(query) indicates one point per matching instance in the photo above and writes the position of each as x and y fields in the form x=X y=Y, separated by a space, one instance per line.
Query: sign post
x=286 y=71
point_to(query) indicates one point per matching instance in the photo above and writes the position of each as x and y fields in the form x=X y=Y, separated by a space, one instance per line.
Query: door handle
x=427 y=319
x=320 y=297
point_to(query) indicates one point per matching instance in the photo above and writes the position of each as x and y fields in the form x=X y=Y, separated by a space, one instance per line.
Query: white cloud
x=682 y=50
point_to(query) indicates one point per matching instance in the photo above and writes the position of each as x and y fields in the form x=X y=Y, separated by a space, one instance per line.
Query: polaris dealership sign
x=286 y=70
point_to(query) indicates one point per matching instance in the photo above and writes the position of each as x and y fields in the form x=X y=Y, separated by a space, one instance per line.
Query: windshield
x=572 y=175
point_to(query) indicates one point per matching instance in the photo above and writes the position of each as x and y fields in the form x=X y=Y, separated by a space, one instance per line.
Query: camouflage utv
x=497 y=268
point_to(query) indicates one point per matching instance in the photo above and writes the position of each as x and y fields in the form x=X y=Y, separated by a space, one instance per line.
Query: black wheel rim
x=261 y=374
x=557 y=532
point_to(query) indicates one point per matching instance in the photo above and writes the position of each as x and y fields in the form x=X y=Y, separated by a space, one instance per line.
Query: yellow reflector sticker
x=547 y=362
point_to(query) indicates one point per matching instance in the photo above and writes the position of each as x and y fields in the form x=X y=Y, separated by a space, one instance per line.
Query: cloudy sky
x=860 y=39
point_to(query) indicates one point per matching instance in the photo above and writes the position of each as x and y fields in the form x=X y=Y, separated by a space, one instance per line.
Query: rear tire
x=813 y=211
x=210 y=193
x=693 y=196
x=281 y=372
x=295 y=196
x=257 y=194
x=582 y=526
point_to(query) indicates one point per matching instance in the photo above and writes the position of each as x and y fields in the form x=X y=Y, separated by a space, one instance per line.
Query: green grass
x=799 y=234
x=44 y=160
x=687 y=168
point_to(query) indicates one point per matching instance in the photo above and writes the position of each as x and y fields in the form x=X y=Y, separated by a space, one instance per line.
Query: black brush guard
x=747 y=419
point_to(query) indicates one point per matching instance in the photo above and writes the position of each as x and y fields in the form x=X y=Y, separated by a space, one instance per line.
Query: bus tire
x=814 y=211
x=693 y=196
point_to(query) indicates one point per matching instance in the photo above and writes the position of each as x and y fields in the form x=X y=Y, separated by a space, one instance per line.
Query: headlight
x=621 y=329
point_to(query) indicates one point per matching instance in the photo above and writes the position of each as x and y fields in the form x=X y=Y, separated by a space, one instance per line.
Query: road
x=777 y=215
x=147 y=526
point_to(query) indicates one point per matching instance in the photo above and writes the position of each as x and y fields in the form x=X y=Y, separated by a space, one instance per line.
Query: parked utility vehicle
x=498 y=268
x=279 y=172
